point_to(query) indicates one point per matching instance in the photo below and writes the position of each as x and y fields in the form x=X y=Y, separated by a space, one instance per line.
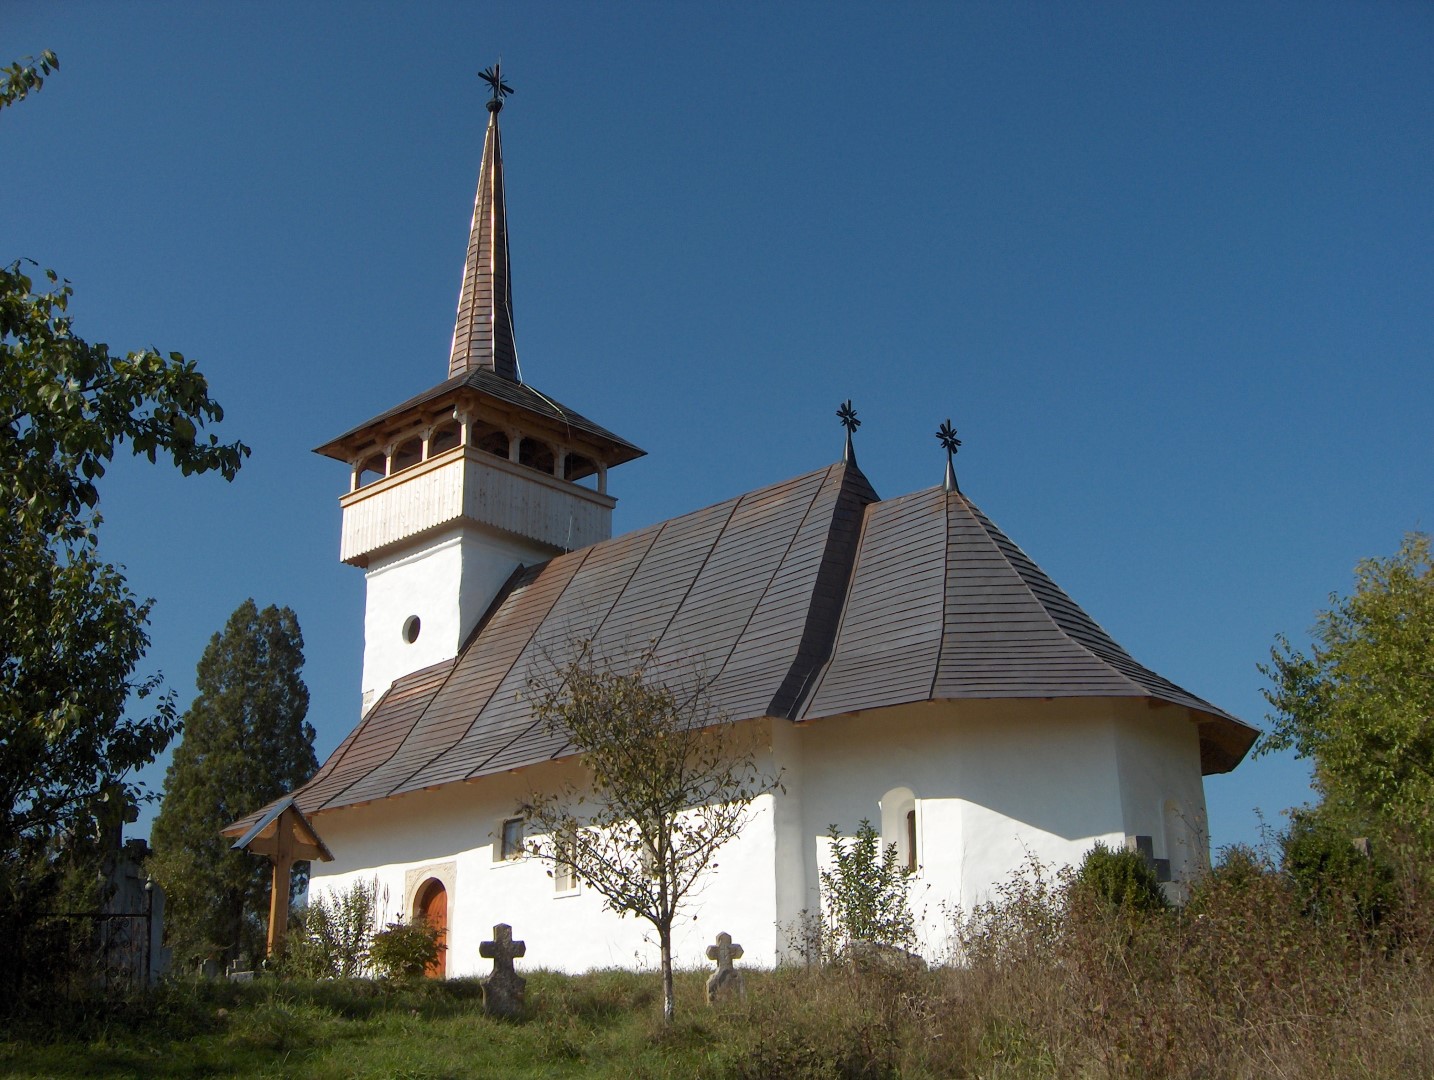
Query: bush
x=1332 y=877
x=1122 y=880
x=405 y=950
x=334 y=934
x=865 y=893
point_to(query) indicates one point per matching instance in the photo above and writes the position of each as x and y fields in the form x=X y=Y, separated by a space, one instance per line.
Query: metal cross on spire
x=847 y=415
x=946 y=435
x=493 y=76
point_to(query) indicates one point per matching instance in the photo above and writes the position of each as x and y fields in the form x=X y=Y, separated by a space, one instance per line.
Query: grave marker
x=726 y=980
x=504 y=991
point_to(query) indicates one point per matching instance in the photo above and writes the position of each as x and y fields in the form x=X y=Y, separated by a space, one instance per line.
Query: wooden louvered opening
x=444 y=437
x=409 y=452
x=536 y=455
x=372 y=469
x=576 y=467
x=488 y=438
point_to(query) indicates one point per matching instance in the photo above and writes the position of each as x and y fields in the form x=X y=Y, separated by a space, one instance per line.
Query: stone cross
x=504 y=991
x=725 y=981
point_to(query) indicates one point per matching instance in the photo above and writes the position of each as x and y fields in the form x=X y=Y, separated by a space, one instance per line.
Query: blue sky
x=1168 y=269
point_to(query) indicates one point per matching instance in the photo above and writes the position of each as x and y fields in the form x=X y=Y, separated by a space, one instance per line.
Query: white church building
x=900 y=660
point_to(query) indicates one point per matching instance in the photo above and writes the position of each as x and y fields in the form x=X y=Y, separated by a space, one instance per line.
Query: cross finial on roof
x=946 y=434
x=493 y=76
x=847 y=415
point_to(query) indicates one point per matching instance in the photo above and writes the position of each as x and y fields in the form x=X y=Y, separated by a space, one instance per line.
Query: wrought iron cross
x=847 y=415
x=946 y=435
x=493 y=76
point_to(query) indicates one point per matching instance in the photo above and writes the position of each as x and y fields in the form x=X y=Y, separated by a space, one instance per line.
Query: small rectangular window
x=911 y=840
x=565 y=879
x=512 y=840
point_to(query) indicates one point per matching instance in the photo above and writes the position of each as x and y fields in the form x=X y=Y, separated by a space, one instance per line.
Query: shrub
x=866 y=893
x=1331 y=876
x=405 y=950
x=1120 y=879
x=334 y=934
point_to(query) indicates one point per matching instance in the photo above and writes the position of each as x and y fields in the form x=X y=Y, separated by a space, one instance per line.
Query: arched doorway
x=430 y=904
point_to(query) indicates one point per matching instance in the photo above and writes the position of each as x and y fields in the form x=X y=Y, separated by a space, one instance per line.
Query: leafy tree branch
x=668 y=781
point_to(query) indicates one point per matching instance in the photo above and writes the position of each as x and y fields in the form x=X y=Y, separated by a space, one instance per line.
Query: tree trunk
x=664 y=934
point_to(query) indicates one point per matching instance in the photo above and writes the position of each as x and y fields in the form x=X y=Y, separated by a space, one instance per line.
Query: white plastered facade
x=993 y=784
x=446 y=581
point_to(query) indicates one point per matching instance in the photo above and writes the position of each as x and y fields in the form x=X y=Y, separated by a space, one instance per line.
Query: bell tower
x=454 y=489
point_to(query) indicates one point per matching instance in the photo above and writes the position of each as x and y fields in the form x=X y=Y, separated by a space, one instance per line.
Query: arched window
x=899 y=825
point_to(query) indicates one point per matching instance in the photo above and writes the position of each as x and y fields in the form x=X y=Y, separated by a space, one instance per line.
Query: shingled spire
x=483 y=332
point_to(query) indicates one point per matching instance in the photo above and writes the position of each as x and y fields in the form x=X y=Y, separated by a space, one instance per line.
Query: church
x=897 y=659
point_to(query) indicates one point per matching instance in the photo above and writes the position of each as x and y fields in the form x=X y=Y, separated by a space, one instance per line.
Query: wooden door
x=431 y=905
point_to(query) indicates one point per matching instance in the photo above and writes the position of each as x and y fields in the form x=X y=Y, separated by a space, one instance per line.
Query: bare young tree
x=668 y=782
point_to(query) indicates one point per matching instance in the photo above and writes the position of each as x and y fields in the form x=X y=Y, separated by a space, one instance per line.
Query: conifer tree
x=245 y=743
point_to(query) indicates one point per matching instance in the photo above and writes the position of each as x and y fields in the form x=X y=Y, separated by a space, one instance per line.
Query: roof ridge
x=812 y=683
x=945 y=569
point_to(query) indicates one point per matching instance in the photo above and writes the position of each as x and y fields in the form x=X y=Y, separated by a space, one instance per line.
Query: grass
x=1243 y=982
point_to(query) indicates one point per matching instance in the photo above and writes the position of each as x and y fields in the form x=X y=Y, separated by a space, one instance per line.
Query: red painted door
x=432 y=907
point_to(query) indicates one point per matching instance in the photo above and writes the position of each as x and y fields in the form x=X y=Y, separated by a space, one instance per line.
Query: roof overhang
x=486 y=396
x=283 y=825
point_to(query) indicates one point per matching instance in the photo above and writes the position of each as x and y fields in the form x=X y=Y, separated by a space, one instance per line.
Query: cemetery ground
x=1248 y=979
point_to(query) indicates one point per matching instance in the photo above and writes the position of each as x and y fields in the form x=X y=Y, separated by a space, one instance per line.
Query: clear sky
x=1168 y=268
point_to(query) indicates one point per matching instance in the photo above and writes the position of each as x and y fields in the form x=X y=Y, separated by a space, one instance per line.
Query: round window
x=410 y=629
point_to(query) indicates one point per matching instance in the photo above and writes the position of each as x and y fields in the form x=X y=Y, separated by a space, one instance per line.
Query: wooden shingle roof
x=807 y=599
x=749 y=587
x=943 y=606
x=483 y=329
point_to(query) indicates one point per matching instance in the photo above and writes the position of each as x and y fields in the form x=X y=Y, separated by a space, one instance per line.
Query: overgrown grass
x=1243 y=982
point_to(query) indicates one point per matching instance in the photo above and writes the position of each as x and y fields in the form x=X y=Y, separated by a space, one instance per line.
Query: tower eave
x=484 y=392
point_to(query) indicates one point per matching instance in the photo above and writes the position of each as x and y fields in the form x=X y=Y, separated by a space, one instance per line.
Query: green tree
x=245 y=743
x=72 y=635
x=1360 y=705
x=668 y=783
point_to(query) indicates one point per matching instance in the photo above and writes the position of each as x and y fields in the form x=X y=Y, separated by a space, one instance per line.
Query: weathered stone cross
x=502 y=950
x=505 y=989
x=725 y=979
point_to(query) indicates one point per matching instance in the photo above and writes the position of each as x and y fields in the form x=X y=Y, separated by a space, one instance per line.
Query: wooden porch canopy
x=286 y=837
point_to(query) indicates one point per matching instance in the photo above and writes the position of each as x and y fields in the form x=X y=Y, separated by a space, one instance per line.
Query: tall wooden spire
x=483 y=331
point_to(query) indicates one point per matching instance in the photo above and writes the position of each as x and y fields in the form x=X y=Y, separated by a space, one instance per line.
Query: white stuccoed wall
x=402 y=841
x=448 y=581
x=1162 y=792
x=996 y=783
